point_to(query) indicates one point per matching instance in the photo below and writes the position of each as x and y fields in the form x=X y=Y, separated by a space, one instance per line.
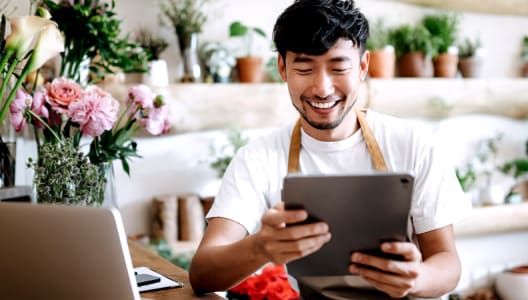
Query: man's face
x=324 y=88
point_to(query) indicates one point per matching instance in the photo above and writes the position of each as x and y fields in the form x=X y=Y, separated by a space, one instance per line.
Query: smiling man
x=322 y=58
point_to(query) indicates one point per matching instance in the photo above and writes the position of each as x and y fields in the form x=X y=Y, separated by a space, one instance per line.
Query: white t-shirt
x=253 y=180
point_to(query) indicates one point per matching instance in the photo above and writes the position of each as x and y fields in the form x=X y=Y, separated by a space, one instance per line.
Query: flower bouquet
x=32 y=41
x=271 y=284
x=63 y=115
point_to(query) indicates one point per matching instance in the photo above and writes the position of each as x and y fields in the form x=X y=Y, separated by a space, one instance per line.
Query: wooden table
x=142 y=256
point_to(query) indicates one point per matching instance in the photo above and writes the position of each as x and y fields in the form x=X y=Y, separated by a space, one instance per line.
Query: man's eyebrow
x=340 y=59
x=302 y=59
x=306 y=59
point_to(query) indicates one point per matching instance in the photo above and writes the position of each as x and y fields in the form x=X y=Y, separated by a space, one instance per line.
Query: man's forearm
x=441 y=273
x=218 y=268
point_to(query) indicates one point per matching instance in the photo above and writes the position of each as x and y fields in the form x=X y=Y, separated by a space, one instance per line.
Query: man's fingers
x=277 y=217
x=408 y=250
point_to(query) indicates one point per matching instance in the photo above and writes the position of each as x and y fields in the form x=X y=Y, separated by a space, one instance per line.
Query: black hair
x=313 y=26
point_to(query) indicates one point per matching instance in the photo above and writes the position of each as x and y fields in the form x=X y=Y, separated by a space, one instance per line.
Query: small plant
x=408 y=39
x=517 y=167
x=468 y=47
x=524 y=49
x=217 y=58
x=237 y=29
x=379 y=36
x=467 y=178
x=443 y=29
x=225 y=154
x=153 y=45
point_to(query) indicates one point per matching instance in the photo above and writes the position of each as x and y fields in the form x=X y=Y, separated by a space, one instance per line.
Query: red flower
x=271 y=284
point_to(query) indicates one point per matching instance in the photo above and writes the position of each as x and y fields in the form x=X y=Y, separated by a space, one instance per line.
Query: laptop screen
x=64 y=252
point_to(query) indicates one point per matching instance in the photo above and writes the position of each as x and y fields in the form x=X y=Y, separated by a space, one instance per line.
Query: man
x=322 y=58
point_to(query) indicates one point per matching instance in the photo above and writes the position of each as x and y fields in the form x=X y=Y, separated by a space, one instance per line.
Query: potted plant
x=249 y=66
x=518 y=168
x=218 y=60
x=94 y=43
x=414 y=48
x=186 y=18
x=157 y=73
x=524 y=56
x=469 y=62
x=382 y=56
x=443 y=29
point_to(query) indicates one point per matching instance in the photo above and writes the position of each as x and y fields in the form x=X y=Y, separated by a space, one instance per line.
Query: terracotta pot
x=414 y=64
x=445 y=65
x=382 y=63
x=524 y=70
x=470 y=67
x=250 y=69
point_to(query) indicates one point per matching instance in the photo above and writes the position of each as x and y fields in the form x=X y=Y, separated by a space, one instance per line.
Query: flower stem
x=55 y=135
x=12 y=93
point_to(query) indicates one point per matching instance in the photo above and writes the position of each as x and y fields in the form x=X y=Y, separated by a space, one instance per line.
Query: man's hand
x=396 y=278
x=280 y=243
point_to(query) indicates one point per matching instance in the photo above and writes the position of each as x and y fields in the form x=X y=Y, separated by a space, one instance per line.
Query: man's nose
x=322 y=85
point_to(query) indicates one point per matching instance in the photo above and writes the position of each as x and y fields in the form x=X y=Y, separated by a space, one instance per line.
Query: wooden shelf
x=494 y=219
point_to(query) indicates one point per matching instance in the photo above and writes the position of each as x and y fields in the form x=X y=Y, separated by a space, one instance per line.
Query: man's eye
x=339 y=70
x=303 y=70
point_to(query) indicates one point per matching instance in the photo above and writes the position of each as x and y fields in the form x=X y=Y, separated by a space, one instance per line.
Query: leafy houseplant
x=225 y=154
x=91 y=31
x=469 y=63
x=153 y=45
x=157 y=73
x=443 y=29
x=518 y=168
x=219 y=61
x=414 y=48
x=249 y=66
x=382 y=56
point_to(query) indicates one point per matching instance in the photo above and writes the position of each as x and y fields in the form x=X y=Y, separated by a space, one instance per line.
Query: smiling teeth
x=323 y=105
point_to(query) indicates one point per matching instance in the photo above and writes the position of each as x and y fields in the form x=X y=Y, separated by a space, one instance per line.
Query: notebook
x=64 y=252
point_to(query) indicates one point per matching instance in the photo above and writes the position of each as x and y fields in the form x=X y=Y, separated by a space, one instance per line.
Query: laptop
x=64 y=252
x=362 y=211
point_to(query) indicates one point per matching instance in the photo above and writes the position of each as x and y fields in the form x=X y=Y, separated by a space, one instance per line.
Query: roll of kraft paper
x=191 y=219
x=165 y=220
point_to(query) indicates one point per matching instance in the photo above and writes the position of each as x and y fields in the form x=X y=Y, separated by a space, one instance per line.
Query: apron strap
x=372 y=146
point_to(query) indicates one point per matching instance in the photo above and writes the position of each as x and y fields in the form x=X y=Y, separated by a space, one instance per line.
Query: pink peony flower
x=62 y=92
x=141 y=95
x=18 y=121
x=39 y=108
x=95 y=112
x=157 y=121
x=21 y=101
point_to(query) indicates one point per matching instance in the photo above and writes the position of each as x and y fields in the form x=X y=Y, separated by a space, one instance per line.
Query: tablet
x=362 y=211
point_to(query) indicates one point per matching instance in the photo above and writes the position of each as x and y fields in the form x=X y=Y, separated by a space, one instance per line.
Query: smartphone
x=144 y=279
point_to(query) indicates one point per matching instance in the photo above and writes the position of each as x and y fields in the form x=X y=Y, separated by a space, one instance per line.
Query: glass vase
x=7 y=154
x=109 y=195
x=192 y=70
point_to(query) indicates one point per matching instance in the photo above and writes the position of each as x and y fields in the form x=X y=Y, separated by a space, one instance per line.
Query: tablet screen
x=362 y=211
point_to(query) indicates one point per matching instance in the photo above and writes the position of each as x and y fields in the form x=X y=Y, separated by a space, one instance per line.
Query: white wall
x=500 y=34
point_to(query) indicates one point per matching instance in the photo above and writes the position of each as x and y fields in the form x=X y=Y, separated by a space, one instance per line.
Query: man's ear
x=281 y=65
x=364 y=64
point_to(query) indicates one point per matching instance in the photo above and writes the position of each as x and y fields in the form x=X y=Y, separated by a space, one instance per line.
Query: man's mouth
x=323 y=105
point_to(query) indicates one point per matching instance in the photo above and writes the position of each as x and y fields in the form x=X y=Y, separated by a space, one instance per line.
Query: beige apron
x=315 y=287
x=375 y=153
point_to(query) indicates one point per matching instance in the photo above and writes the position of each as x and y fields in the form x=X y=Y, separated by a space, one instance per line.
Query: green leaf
x=237 y=29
